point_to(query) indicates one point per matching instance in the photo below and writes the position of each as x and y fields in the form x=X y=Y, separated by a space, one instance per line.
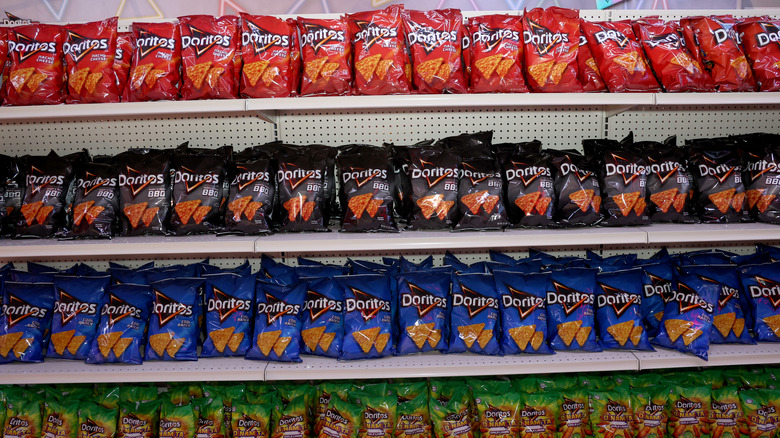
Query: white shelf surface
x=757 y=98
x=435 y=364
x=718 y=355
x=67 y=371
x=702 y=233
x=129 y=109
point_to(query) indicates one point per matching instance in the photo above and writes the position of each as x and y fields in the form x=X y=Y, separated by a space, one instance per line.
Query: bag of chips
x=198 y=189
x=326 y=54
x=551 y=38
x=26 y=321
x=77 y=305
x=474 y=318
x=302 y=187
x=96 y=420
x=12 y=184
x=717 y=171
x=611 y=412
x=759 y=41
x=573 y=406
x=138 y=418
x=250 y=418
x=762 y=174
x=173 y=324
x=176 y=421
x=37 y=74
x=760 y=408
x=618 y=300
x=93 y=212
x=5 y=63
x=210 y=66
x=293 y=418
x=588 y=74
x=342 y=419
x=60 y=417
x=422 y=310
x=89 y=51
x=252 y=190
x=322 y=324
x=229 y=299
x=366 y=189
x=23 y=414
x=277 y=327
x=497 y=54
x=523 y=316
x=379 y=410
x=577 y=191
x=669 y=184
x=123 y=58
x=434 y=177
x=144 y=191
x=498 y=408
x=435 y=41
x=570 y=310
x=530 y=191
x=123 y=319
x=154 y=73
x=368 y=316
x=689 y=410
x=450 y=415
x=761 y=284
x=270 y=56
x=656 y=284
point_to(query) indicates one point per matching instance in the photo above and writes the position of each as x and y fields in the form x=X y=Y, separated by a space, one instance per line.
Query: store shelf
x=125 y=247
x=719 y=355
x=67 y=371
x=442 y=365
x=717 y=99
x=714 y=233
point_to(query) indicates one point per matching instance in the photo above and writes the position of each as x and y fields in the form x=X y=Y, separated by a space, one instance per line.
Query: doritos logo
x=686 y=405
x=130 y=419
x=617 y=407
x=139 y=181
x=368 y=305
x=262 y=40
x=531 y=412
x=25 y=47
x=568 y=167
x=90 y=428
x=203 y=41
x=492 y=37
x=671 y=40
x=664 y=169
x=758 y=166
x=687 y=299
x=658 y=286
x=13 y=20
x=37 y=179
x=118 y=309
x=226 y=305
x=296 y=176
x=473 y=301
x=543 y=39
x=318 y=304
x=429 y=38
x=318 y=36
x=571 y=406
x=148 y=42
x=766 y=288
x=372 y=416
x=69 y=307
x=371 y=34
x=433 y=175
x=526 y=173
x=619 y=300
x=476 y=176
x=334 y=415
x=245 y=177
x=423 y=300
x=524 y=302
x=168 y=309
x=192 y=180
x=274 y=308
x=568 y=298
x=248 y=423
x=78 y=46
x=629 y=170
x=93 y=182
x=605 y=35
x=771 y=34
x=18 y=310
x=361 y=177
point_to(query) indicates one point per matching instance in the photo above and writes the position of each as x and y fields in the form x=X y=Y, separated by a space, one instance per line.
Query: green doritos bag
x=230 y=395
x=573 y=413
x=324 y=392
x=378 y=411
x=525 y=384
x=726 y=416
x=410 y=390
x=60 y=420
x=414 y=420
x=23 y=416
x=497 y=409
x=650 y=411
x=450 y=418
x=137 y=393
x=96 y=421
x=210 y=414
x=713 y=377
x=176 y=421
x=293 y=420
x=689 y=408
x=107 y=396
x=138 y=419
x=761 y=409
x=611 y=413
x=539 y=414
x=342 y=419
x=596 y=382
x=555 y=382
x=250 y=418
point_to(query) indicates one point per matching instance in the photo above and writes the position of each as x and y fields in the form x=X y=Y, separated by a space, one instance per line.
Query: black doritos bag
x=504 y=151
x=433 y=173
x=366 y=192
x=144 y=191
x=93 y=212
x=252 y=189
x=716 y=166
x=623 y=177
x=762 y=176
x=529 y=190
x=12 y=187
x=669 y=184
x=302 y=183
x=402 y=184
x=577 y=192
x=198 y=189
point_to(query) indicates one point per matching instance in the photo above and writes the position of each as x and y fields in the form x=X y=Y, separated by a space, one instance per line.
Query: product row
x=390 y=51
x=463 y=183
x=367 y=310
x=712 y=403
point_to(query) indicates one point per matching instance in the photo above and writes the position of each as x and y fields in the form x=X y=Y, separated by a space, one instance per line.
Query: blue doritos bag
x=29 y=277
x=728 y=321
x=77 y=303
x=38 y=268
x=570 y=312
x=320 y=271
x=406 y=265
x=277 y=330
x=773 y=251
x=368 y=316
x=423 y=298
x=523 y=298
x=360 y=267
x=178 y=271
x=115 y=265
x=173 y=325
x=451 y=259
x=123 y=320
x=322 y=322
x=275 y=272
x=474 y=319
x=656 y=282
x=618 y=310
x=128 y=276
x=25 y=321
x=761 y=284
x=229 y=299
x=688 y=311
x=710 y=257
x=242 y=269
x=500 y=257
x=756 y=258
x=608 y=264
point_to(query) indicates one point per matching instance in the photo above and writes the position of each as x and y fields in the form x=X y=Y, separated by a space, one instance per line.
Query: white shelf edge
x=450 y=365
x=718 y=355
x=758 y=98
x=702 y=233
x=66 y=371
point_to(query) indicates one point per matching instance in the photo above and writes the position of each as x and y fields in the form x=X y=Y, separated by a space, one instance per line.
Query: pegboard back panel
x=687 y=122
x=114 y=135
x=676 y=14
x=560 y=128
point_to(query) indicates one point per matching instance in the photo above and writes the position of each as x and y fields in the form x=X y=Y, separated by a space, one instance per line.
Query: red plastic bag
x=669 y=57
x=268 y=52
x=154 y=73
x=210 y=66
x=551 y=38
x=89 y=50
x=620 y=58
x=125 y=45
x=497 y=54
x=761 y=43
x=37 y=74
x=4 y=61
x=326 y=56
x=589 y=75
x=435 y=40
x=720 y=52
x=379 y=50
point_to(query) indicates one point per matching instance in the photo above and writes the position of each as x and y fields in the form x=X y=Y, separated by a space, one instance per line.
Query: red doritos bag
x=270 y=57
x=154 y=73
x=589 y=75
x=123 y=57
x=89 y=50
x=669 y=58
x=3 y=60
x=326 y=56
x=761 y=43
x=551 y=38
x=619 y=56
x=435 y=41
x=497 y=54
x=36 y=76
x=715 y=40
x=208 y=56
x=380 y=53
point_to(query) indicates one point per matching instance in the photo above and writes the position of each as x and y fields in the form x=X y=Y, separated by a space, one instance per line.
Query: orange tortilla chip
x=367 y=66
x=596 y=203
x=269 y=75
x=221 y=337
x=382 y=68
x=30 y=211
x=307 y=210
x=106 y=342
x=737 y=201
x=582 y=335
x=639 y=206
x=484 y=337
x=636 y=335
x=724 y=322
x=444 y=208
x=326 y=340
x=679 y=202
x=43 y=214
x=753 y=196
x=267 y=340
x=690 y=335
x=174 y=346
x=79 y=211
x=434 y=338
x=764 y=202
x=627 y=60
x=487 y=65
x=133 y=212
x=159 y=342
x=540 y=72
x=373 y=207
x=139 y=75
x=504 y=66
x=490 y=203
x=537 y=340
x=186 y=209
x=121 y=345
x=18 y=78
x=152 y=77
x=429 y=204
x=328 y=69
x=238 y=206
x=254 y=70
x=8 y=341
x=251 y=209
x=582 y=198
x=556 y=73
x=444 y=72
x=281 y=344
x=470 y=333
x=739 y=325
x=427 y=70
x=201 y=213
x=311 y=337
x=75 y=343
x=294 y=207
x=664 y=199
x=722 y=199
x=76 y=81
x=773 y=322
x=212 y=77
x=313 y=68
x=22 y=346
x=93 y=213
x=419 y=333
x=35 y=81
x=621 y=332
x=676 y=327
x=568 y=330
x=522 y=335
x=625 y=202
x=740 y=64
x=60 y=340
x=365 y=338
x=542 y=204
x=149 y=215
x=92 y=80
x=527 y=202
x=474 y=200
x=358 y=204
x=235 y=341
x=381 y=342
